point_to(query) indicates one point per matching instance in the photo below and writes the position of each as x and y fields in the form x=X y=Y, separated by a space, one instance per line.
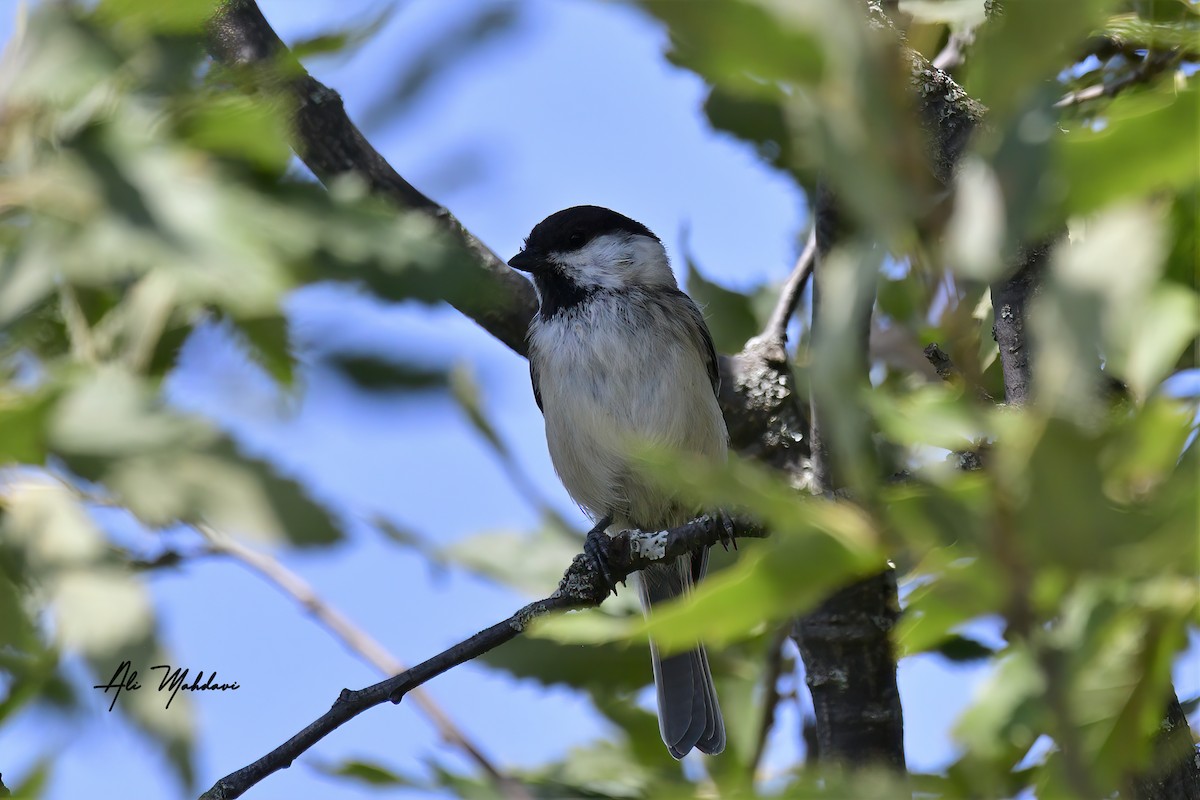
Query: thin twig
x=789 y=297
x=360 y=643
x=774 y=670
x=580 y=587
x=1151 y=65
x=946 y=370
x=954 y=54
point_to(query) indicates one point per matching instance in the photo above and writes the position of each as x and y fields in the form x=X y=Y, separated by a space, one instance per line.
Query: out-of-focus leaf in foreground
x=814 y=547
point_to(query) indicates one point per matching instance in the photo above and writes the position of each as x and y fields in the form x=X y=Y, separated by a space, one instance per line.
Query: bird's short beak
x=524 y=261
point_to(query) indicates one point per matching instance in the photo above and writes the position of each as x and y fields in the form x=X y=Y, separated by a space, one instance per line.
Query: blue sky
x=573 y=104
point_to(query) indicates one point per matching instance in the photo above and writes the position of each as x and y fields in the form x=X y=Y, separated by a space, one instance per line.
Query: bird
x=619 y=358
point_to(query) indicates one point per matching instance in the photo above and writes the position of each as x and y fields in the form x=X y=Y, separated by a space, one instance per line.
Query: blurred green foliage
x=143 y=194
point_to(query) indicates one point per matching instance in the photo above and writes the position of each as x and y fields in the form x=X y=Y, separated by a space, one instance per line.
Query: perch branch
x=581 y=587
x=361 y=644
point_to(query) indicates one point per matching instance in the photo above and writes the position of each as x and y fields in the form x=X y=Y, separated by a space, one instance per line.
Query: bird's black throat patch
x=559 y=293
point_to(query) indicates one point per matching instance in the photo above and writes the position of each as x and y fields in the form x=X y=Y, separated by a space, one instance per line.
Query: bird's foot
x=598 y=547
x=726 y=529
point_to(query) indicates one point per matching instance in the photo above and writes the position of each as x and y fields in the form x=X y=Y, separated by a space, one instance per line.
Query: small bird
x=620 y=357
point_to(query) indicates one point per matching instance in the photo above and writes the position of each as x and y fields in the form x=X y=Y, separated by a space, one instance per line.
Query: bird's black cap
x=571 y=229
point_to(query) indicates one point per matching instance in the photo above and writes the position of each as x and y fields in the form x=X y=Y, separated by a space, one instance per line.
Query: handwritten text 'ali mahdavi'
x=173 y=681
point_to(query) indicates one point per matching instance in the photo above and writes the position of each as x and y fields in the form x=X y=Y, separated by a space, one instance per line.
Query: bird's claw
x=598 y=547
x=726 y=530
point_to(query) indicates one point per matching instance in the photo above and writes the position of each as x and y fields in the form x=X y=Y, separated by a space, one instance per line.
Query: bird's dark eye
x=576 y=239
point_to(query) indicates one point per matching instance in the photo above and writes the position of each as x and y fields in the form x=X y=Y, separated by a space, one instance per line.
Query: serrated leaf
x=166 y=466
x=369 y=773
x=376 y=374
x=740 y=45
x=237 y=127
x=533 y=563
x=1145 y=144
x=466 y=392
x=959 y=648
x=269 y=344
x=599 y=668
x=101 y=609
x=816 y=546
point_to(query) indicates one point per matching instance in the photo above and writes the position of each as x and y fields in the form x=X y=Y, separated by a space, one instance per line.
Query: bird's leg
x=597 y=547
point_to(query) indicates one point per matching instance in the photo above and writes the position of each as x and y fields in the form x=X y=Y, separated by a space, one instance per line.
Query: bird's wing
x=533 y=378
x=700 y=334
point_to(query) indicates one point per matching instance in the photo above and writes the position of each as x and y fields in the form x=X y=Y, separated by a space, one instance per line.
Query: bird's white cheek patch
x=649 y=544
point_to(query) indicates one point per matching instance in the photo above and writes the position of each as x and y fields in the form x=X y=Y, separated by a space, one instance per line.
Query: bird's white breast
x=617 y=372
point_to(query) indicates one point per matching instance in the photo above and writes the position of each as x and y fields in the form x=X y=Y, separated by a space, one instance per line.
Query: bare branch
x=1010 y=301
x=941 y=362
x=1151 y=66
x=361 y=644
x=954 y=54
x=581 y=587
x=789 y=297
x=331 y=146
x=946 y=370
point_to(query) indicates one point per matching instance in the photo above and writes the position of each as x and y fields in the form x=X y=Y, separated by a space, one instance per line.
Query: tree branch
x=332 y=146
x=1010 y=303
x=789 y=296
x=954 y=54
x=1153 y=64
x=944 y=366
x=1175 y=772
x=362 y=644
x=581 y=587
x=849 y=659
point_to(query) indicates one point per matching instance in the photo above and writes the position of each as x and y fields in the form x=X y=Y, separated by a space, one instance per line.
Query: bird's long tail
x=688 y=713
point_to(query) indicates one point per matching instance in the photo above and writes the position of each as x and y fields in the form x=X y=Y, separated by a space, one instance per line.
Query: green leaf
x=146 y=16
x=1144 y=144
x=599 y=668
x=237 y=127
x=373 y=373
x=602 y=769
x=344 y=39
x=466 y=393
x=532 y=563
x=961 y=648
x=1001 y=725
x=101 y=609
x=368 y=773
x=1021 y=50
x=269 y=344
x=816 y=546
x=744 y=46
x=23 y=418
x=167 y=467
x=1166 y=328
x=729 y=314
